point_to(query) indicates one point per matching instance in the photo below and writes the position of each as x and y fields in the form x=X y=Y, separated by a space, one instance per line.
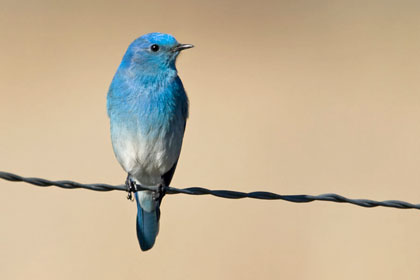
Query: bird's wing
x=167 y=177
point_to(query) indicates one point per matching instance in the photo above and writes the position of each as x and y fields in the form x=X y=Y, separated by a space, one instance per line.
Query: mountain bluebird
x=148 y=108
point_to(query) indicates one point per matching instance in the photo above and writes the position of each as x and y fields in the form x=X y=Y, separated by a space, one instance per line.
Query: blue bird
x=148 y=108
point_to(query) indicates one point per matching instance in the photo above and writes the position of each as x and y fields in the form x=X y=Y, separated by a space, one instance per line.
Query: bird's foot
x=159 y=193
x=131 y=187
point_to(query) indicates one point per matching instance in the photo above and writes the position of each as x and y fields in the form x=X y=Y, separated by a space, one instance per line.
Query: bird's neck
x=151 y=79
x=146 y=69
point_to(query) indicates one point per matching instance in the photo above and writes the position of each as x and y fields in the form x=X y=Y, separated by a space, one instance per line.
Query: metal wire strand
x=219 y=193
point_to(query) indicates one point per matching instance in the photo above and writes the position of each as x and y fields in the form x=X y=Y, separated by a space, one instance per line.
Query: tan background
x=294 y=97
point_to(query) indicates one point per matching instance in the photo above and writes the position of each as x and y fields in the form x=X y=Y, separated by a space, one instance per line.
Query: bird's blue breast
x=148 y=115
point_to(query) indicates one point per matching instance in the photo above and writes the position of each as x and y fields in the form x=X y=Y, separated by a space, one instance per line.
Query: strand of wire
x=66 y=184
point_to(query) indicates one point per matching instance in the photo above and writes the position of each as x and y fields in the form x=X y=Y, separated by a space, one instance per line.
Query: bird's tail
x=147 y=226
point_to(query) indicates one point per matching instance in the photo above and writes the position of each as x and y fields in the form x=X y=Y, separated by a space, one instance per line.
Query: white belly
x=146 y=158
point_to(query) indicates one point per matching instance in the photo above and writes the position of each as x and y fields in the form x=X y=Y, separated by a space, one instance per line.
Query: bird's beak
x=181 y=47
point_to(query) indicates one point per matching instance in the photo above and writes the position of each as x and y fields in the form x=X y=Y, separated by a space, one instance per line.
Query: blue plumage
x=148 y=107
x=147 y=226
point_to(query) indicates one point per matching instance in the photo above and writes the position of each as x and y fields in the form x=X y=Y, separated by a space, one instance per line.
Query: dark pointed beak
x=181 y=47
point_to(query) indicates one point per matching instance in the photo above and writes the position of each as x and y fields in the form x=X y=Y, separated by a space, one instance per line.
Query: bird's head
x=153 y=53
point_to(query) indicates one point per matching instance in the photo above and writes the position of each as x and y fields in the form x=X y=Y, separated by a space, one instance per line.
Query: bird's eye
x=154 y=48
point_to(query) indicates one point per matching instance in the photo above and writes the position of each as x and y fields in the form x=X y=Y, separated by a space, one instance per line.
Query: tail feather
x=147 y=226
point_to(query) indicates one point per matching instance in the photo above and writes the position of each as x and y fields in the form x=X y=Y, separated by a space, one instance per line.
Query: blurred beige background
x=294 y=97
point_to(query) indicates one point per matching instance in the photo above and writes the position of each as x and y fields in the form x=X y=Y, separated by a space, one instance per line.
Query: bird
x=148 y=109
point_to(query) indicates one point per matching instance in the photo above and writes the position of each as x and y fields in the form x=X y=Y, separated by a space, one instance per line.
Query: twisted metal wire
x=219 y=193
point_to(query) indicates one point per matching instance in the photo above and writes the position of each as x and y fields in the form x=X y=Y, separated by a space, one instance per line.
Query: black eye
x=154 y=48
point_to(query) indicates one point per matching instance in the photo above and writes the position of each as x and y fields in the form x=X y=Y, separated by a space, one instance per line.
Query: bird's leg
x=131 y=187
x=159 y=193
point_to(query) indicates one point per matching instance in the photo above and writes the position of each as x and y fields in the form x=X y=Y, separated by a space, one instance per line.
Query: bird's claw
x=159 y=193
x=131 y=188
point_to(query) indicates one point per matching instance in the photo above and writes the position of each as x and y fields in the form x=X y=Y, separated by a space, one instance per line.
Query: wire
x=219 y=193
